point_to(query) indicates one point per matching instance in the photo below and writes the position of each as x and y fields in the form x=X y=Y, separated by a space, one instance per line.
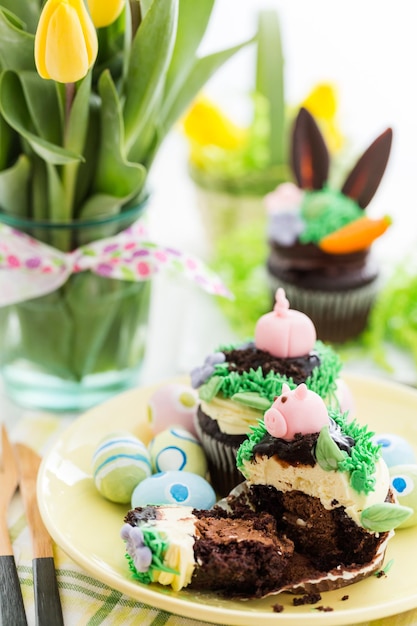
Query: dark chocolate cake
x=315 y=512
x=207 y=550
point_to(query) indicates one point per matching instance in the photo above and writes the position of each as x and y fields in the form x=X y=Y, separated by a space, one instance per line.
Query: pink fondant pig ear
x=309 y=155
x=300 y=392
x=284 y=332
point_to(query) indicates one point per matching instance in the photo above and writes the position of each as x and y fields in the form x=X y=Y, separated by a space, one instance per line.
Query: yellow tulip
x=322 y=102
x=205 y=124
x=65 y=42
x=105 y=12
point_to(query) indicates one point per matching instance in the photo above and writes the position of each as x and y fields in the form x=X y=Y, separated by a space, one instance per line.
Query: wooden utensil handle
x=48 y=607
x=11 y=600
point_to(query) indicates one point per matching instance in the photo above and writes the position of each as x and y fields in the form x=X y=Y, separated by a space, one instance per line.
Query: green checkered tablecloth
x=85 y=600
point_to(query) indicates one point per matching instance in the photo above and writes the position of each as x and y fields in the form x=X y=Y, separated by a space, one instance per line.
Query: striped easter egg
x=120 y=463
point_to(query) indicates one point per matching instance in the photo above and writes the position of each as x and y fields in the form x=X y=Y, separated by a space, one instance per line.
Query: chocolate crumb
x=277 y=608
x=325 y=609
x=308 y=598
x=345 y=598
x=380 y=573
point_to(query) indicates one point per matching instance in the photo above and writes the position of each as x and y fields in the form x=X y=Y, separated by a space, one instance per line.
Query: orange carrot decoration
x=355 y=236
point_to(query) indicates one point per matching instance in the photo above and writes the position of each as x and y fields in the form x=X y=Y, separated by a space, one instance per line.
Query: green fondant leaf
x=328 y=454
x=384 y=516
x=252 y=399
x=210 y=388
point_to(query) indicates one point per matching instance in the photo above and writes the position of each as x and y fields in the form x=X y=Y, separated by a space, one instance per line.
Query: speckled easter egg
x=404 y=484
x=120 y=462
x=395 y=450
x=177 y=449
x=173 y=403
x=174 y=487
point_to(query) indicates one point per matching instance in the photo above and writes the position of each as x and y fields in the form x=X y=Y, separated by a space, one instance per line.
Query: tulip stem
x=69 y=97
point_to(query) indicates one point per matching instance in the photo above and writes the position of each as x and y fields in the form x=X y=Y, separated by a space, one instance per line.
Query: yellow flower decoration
x=105 y=12
x=65 y=42
x=206 y=125
x=322 y=103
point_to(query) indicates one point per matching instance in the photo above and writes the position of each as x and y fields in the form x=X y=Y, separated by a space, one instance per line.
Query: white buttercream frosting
x=331 y=487
x=233 y=418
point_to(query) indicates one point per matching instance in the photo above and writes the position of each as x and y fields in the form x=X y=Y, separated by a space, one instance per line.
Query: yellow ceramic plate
x=87 y=527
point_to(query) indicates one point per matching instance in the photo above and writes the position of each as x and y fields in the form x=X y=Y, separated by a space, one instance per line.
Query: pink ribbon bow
x=30 y=268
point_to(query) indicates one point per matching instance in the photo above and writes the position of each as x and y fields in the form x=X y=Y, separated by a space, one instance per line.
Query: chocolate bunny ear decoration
x=310 y=157
x=364 y=179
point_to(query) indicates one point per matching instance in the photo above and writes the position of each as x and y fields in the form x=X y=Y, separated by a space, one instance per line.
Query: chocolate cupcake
x=237 y=383
x=320 y=238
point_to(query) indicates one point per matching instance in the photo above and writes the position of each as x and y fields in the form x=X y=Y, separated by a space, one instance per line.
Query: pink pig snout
x=275 y=422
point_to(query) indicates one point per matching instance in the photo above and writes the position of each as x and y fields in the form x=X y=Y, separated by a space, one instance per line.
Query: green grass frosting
x=323 y=379
x=359 y=464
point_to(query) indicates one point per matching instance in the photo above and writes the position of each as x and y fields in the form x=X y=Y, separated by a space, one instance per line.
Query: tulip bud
x=105 y=13
x=65 y=42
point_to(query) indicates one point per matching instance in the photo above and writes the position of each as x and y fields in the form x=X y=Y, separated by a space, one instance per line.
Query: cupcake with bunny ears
x=320 y=238
x=238 y=383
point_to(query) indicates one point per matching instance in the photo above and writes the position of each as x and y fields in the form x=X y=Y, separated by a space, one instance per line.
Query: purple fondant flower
x=284 y=228
x=136 y=548
x=200 y=374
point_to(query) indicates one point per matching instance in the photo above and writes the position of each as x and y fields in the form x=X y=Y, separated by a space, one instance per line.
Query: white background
x=368 y=49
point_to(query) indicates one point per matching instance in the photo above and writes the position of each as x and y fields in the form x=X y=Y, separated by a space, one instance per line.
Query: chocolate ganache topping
x=301 y=450
x=298 y=368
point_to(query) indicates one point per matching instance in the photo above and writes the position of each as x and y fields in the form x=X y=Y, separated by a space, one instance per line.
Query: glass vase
x=79 y=345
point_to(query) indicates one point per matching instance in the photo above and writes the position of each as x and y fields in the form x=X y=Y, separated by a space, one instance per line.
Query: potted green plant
x=88 y=92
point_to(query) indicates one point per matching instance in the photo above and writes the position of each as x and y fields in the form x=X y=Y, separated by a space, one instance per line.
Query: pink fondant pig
x=284 y=332
x=298 y=411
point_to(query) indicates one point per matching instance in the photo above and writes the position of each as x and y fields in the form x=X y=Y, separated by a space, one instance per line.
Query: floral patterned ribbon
x=30 y=268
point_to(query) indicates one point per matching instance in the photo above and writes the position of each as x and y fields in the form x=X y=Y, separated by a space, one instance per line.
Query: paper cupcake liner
x=337 y=315
x=221 y=460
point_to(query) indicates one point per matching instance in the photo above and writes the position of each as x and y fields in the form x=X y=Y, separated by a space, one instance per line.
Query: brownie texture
x=328 y=538
x=239 y=556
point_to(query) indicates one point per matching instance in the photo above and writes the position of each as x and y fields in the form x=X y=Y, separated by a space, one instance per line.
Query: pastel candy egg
x=173 y=403
x=174 y=487
x=395 y=450
x=404 y=484
x=177 y=449
x=120 y=462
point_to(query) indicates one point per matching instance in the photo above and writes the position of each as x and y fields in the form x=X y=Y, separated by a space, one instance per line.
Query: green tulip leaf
x=77 y=125
x=100 y=205
x=75 y=139
x=27 y=11
x=15 y=111
x=384 y=516
x=199 y=73
x=149 y=60
x=42 y=103
x=270 y=81
x=16 y=45
x=7 y=140
x=14 y=187
x=193 y=19
x=115 y=175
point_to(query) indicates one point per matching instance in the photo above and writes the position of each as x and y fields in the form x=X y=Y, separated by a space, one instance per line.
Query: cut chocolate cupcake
x=207 y=550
